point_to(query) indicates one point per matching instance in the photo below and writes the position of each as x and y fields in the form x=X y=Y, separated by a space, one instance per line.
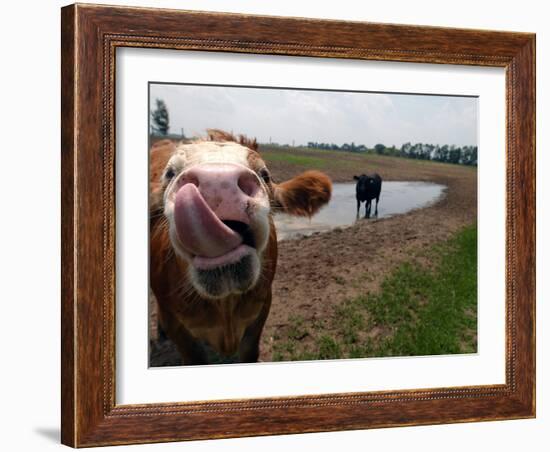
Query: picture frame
x=90 y=37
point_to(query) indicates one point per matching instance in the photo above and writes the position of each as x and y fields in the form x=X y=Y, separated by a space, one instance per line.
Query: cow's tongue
x=200 y=231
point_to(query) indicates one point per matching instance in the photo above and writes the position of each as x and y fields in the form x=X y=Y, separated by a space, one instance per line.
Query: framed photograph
x=283 y=225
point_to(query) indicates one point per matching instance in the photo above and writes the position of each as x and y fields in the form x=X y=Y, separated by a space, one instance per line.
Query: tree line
x=465 y=155
x=462 y=155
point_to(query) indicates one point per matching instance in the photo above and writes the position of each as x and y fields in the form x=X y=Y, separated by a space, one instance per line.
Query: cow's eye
x=170 y=173
x=264 y=174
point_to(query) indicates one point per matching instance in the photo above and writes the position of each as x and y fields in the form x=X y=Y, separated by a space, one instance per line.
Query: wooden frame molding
x=90 y=36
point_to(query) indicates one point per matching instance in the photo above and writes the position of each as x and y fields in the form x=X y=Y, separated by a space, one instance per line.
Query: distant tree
x=444 y=153
x=414 y=151
x=469 y=155
x=160 y=118
x=454 y=155
x=473 y=157
x=379 y=148
x=406 y=149
x=436 y=153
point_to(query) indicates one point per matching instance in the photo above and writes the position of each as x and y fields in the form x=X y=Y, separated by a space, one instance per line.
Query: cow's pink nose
x=226 y=188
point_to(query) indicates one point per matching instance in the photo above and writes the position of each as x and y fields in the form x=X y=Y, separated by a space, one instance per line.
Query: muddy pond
x=395 y=198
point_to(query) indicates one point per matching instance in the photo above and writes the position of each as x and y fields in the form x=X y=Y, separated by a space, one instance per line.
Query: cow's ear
x=303 y=195
x=356 y=177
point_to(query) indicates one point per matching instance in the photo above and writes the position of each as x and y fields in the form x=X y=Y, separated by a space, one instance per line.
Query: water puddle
x=396 y=198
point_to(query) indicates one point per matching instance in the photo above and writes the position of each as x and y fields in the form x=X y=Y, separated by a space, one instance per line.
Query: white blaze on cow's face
x=217 y=202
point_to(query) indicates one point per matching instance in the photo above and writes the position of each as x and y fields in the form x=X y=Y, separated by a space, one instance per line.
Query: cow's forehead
x=187 y=155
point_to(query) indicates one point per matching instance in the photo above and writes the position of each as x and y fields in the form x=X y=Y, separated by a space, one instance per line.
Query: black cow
x=368 y=187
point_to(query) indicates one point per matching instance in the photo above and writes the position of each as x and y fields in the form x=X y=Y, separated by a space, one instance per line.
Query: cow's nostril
x=189 y=179
x=248 y=183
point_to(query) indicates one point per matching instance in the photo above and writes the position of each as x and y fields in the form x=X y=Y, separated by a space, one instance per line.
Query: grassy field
x=398 y=286
x=286 y=162
x=401 y=286
x=309 y=161
x=426 y=306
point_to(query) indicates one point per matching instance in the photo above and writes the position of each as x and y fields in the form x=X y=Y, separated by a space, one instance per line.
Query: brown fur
x=221 y=135
x=303 y=195
x=231 y=326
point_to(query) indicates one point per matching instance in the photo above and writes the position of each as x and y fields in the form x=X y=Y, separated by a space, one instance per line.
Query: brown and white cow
x=213 y=244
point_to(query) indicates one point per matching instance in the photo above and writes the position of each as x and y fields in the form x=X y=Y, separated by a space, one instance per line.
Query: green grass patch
x=315 y=158
x=293 y=159
x=419 y=310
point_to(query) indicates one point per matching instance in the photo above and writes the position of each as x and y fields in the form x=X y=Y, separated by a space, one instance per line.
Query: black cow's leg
x=367 y=208
x=376 y=211
x=358 y=207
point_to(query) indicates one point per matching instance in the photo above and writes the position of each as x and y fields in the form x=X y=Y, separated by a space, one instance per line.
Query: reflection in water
x=396 y=198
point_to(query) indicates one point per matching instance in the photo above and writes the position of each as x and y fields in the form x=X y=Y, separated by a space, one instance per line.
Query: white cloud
x=325 y=116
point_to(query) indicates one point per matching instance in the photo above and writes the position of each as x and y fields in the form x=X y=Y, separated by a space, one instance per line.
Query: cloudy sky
x=285 y=115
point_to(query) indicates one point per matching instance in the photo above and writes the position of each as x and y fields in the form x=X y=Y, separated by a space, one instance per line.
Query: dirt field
x=318 y=273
